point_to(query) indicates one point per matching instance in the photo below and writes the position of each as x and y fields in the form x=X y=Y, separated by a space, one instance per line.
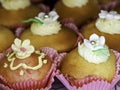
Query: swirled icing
x=108 y=22
x=15 y=4
x=45 y=29
x=75 y=3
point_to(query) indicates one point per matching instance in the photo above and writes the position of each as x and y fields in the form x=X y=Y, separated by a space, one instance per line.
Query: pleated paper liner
x=90 y=83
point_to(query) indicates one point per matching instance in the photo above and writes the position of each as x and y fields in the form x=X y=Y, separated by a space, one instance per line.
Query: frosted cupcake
x=91 y=66
x=107 y=25
x=26 y=68
x=6 y=38
x=46 y=30
x=13 y=12
x=78 y=11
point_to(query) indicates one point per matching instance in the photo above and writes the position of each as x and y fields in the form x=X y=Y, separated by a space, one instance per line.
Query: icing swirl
x=49 y=25
x=108 y=22
x=75 y=3
x=15 y=4
x=94 y=50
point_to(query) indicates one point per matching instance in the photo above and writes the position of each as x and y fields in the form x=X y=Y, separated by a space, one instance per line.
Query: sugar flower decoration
x=44 y=18
x=22 y=49
x=47 y=18
x=95 y=42
x=94 y=50
x=109 y=15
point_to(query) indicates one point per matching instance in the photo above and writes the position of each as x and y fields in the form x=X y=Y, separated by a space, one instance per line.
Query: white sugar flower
x=109 y=15
x=47 y=18
x=22 y=49
x=95 y=42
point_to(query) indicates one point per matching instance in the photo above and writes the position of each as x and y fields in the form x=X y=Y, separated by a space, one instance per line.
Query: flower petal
x=53 y=15
x=26 y=43
x=94 y=37
x=42 y=14
x=30 y=49
x=14 y=47
x=88 y=44
x=17 y=42
x=102 y=40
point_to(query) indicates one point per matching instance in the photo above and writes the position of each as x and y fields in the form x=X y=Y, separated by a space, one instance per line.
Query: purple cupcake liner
x=46 y=83
x=90 y=83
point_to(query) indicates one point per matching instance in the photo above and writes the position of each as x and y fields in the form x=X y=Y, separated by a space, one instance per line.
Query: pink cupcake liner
x=90 y=83
x=19 y=30
x=5 y=52
x=111 y=5
x=15 y=26
x=3 y=87
x=46 y=83
x=72 y=26
x=44 y=7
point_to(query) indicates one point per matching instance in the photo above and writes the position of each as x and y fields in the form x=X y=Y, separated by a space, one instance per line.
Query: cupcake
x=46 y=31
x=13 y=12
x=6 y=38
x=90 y=66
x=25 y=68
x=77 y=11
x=107 y=25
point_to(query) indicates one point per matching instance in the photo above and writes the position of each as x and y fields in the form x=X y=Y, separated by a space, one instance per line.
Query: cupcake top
x=108 y=22
x=45 y=24
x=15 y=4
x=21 y=51
x=94 y=50
x=74 y=3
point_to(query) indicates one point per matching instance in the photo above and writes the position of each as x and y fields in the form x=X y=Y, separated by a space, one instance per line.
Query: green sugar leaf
x=33 y=20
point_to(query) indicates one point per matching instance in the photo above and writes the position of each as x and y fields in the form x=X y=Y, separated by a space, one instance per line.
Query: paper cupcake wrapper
x=5 y=53
x=45 y=84
x=109 y=6
x=3 y=87
x=90 y=83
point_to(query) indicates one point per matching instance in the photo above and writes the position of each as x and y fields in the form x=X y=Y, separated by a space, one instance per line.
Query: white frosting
x=50 y=24
x=15 y=4
x=75 y=3
x=108 y=22
x=94 y=50
x=45 y=29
